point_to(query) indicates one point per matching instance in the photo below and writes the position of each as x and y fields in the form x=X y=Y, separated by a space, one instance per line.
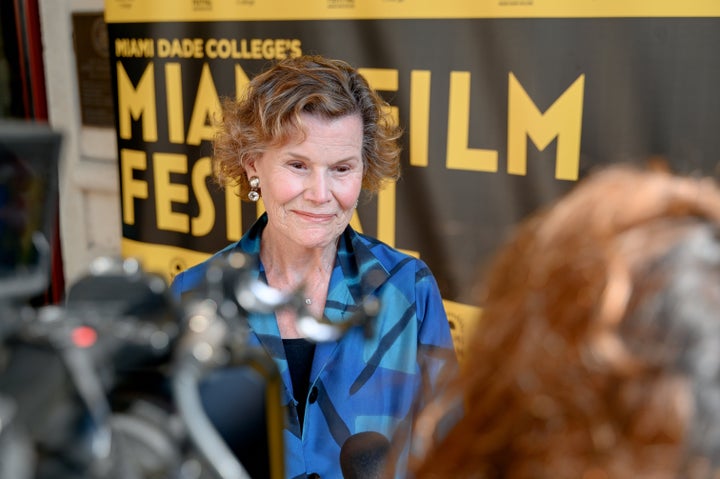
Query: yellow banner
x=463 y=320
x=164 y=260
x=139 y=11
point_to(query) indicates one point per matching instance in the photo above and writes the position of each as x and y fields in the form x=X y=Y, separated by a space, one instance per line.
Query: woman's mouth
x=315 y=217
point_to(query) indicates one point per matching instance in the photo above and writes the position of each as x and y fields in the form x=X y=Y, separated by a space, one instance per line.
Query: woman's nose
x=318 y=188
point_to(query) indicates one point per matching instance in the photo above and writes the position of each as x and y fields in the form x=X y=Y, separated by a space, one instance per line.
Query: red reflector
x=84 y=336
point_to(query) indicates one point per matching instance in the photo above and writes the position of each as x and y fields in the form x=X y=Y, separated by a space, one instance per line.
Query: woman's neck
x=304 y=271
x=292 y=265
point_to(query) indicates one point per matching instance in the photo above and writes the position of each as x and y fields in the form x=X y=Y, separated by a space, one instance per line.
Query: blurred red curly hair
x=575 y=368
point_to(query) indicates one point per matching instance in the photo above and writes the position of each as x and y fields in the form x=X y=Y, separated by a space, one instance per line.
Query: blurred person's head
x=597 y=355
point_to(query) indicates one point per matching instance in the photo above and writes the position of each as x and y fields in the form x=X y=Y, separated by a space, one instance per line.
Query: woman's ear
x=250 y=167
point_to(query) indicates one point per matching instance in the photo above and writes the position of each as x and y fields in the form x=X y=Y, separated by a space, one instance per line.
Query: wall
x=89 y=199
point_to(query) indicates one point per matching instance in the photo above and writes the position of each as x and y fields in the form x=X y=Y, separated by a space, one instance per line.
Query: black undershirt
x=299 y=353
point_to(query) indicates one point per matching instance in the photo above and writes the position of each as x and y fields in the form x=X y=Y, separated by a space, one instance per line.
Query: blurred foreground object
x=598 y=354
x=29 y=154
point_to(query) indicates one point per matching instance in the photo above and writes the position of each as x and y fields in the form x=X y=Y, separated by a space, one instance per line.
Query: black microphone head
x=363 y=455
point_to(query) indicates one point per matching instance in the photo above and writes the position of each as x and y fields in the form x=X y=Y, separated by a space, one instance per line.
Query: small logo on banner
x=126 y=4
x=202 y=5
x=341 y=3
x=515 y=3
x=177 y=265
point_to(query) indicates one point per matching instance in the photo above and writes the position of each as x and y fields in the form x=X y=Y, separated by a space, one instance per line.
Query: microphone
x=363 y=456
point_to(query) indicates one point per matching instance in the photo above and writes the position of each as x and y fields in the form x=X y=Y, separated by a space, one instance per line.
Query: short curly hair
x=268 y=114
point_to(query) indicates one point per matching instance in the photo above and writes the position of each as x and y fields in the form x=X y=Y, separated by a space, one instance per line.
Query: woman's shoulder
x=193 y=276
x=389 y=255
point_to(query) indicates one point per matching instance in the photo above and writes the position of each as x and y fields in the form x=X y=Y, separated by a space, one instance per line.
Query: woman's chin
x=318 y=237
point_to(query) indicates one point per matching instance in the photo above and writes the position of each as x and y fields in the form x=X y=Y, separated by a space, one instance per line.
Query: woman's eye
x=344 y=168
x=297 y=165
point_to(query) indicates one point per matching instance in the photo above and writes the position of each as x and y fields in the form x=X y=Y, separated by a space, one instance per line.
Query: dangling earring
x=254 y=194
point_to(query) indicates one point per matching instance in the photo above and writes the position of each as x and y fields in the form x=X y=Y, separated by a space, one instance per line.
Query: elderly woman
x=308 y=137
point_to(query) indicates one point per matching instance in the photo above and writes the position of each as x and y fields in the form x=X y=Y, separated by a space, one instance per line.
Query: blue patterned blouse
x=357 y=383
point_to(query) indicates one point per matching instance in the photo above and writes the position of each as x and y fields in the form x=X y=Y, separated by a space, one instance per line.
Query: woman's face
x=310 y=187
